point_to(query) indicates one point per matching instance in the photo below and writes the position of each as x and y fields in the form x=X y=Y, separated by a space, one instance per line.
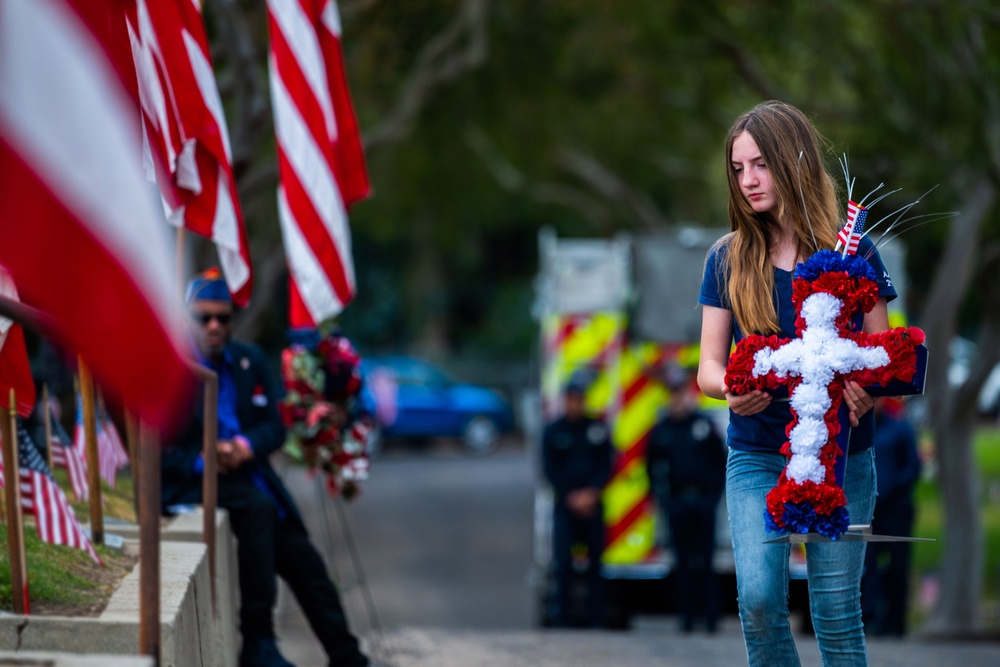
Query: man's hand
x=583 y=502
x=233 y=453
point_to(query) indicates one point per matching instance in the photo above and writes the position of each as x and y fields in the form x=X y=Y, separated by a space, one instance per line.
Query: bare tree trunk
x=953 y=418
x=267 y=279
x=425 y=292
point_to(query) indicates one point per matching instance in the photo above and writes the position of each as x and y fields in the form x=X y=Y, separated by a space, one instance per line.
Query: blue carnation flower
x=829 y=260
x=771 y=526
x=835 y=525
x=802 y=518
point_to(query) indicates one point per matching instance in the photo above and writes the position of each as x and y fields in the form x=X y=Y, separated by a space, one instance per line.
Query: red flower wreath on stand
x=321 y=382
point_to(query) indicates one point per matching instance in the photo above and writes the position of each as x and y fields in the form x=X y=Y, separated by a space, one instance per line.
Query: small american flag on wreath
x=850 y=235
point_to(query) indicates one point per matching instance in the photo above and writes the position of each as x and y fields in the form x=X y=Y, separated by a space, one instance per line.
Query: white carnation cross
x=817 y=357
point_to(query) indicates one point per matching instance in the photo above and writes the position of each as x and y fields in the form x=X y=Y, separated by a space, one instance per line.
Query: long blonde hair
x=782 y=133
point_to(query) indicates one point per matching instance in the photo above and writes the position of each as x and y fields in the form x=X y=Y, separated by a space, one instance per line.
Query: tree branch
x=971 y=53
x=720 y=32
x=512 y=179
x=245 y=78
x=951 y=281
x=355 y=8
x=442 y=60
x=610 y=186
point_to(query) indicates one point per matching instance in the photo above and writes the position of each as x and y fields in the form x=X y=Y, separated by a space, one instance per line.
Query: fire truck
x=617 y=310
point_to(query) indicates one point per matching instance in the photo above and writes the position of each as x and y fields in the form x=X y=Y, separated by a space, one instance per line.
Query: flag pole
x=26 y=315
x=47 y=418
x=93 y=460
x=132 y=439
x=209 y=490
x=149 y=542
x=180 y=261
x=12 y=497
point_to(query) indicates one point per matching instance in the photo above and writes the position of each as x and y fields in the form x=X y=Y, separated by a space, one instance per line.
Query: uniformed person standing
x=576 y=461
x=686 y=462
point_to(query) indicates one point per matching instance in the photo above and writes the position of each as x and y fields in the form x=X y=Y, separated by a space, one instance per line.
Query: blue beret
x=208 y=286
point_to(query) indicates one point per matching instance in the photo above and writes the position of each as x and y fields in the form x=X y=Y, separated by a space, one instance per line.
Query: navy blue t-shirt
x=765 y=431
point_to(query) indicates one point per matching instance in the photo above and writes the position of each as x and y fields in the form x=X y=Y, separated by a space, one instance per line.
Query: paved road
x=444 y=542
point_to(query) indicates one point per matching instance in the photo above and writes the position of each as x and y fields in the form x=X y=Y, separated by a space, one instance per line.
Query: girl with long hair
x=783 y=207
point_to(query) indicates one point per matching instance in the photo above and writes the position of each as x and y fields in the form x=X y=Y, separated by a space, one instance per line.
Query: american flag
x=65 y=455
x=185 y=131
x=112 y=447
x=110 y=456
x=73 y=192
x=320 y=158
x=850 y=235
x=42 y=498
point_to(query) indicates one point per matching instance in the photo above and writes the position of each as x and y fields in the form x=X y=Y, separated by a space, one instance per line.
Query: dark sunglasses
x=204 y=318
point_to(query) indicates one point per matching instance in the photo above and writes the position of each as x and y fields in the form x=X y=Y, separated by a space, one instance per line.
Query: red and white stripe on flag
x=121 y=453
x=110 y=455
x=54 y=518
x=86 y=245
x=185 y=130
x=65 y=455
x=850 y=234
x=320 y=158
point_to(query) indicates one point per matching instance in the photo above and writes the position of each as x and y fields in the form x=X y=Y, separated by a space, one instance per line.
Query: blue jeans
x=834 y=569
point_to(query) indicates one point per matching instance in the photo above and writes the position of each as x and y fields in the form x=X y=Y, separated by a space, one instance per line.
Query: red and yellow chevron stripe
x=625 y=391
x=629 y=513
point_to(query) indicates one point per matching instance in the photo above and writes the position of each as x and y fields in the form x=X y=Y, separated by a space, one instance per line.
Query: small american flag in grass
x=42 y=498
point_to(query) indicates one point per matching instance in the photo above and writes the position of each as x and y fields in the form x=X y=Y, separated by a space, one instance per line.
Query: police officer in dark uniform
x=885 y=584
x=576 y=461
x=686 y=462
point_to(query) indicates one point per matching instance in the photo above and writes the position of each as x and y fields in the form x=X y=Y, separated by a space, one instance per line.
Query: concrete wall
x=191 y=634
x=28 y=659
x=187 y=528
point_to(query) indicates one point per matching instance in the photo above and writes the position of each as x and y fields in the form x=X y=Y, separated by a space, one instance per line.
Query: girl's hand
x=858 y=401
x=747 y=404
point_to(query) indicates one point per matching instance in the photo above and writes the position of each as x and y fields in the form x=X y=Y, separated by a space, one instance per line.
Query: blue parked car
x=412 y=398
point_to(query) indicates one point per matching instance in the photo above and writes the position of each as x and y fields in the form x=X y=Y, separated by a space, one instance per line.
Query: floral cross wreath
x=829 y=290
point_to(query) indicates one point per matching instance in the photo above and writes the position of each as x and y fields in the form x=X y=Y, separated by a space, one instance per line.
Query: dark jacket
x=685 y=456
x=257 y=396
x=897 y=464
x=576 y=455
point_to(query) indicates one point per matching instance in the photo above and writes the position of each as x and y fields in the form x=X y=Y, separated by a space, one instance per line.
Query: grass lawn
x=930 y=512
x=66 y=581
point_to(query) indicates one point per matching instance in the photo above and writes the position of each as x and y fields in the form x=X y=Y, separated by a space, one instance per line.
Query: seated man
x=271 y=538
